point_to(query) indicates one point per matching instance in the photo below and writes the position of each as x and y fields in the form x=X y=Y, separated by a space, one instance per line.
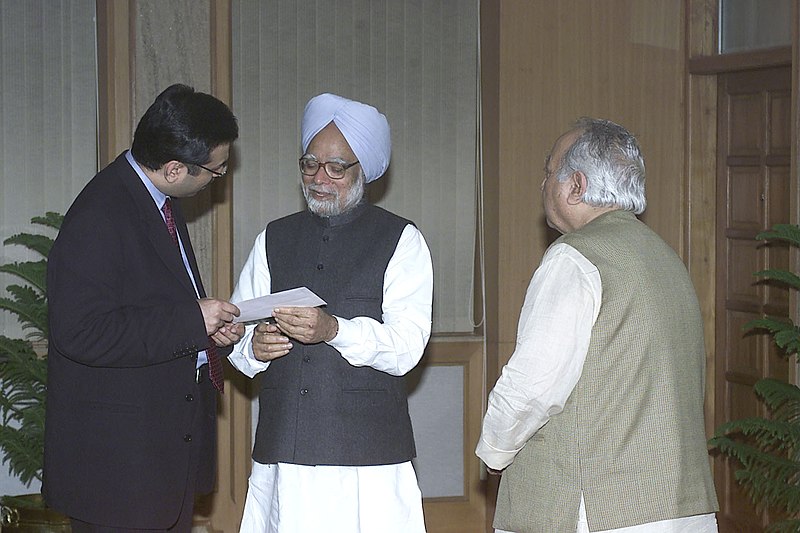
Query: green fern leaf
x=781 y=276
x=785 y=334
x=768 y=448
x=30 y=308
x=50 y=219
x=23 y=374
x=32 y=272
x=781 y=232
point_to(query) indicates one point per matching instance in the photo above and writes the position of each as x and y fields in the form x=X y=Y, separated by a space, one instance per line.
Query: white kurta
x=288 y=498
x=555 y=327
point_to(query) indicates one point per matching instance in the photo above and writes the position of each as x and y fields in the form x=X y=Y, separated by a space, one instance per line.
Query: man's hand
x=309 y=325
x=269 y=343
x=228 y=334
x=217 y=313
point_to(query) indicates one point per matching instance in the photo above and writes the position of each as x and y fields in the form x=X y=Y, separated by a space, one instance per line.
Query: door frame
x=704 y=65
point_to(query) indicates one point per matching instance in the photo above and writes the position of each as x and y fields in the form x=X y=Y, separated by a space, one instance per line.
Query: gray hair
x=610 y=158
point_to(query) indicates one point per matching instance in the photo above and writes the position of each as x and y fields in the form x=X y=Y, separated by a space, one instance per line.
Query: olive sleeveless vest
x=631 y=436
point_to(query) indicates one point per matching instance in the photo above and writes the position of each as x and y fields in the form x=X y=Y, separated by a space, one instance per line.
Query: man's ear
x=174 y=171
x=577 y=187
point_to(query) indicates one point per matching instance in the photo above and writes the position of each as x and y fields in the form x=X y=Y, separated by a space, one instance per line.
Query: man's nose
x=321 y=175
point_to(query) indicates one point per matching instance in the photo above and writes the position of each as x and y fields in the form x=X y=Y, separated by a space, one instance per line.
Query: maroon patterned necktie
x=214 y=364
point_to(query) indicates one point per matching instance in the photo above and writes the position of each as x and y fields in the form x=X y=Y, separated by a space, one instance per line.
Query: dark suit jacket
x=125 y=329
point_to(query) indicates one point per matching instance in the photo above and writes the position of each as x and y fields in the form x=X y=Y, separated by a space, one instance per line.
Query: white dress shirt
x=555 y=326
x=288 y=498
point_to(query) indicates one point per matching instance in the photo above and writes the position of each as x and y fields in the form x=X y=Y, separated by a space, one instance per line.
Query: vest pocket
x=360 y=306
x=365 y=400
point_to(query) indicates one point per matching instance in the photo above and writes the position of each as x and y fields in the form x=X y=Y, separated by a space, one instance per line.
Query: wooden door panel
x=746 y=109
x=744 y=214
x=743 y=360
x=463 y=510
x=780 y=135
x=742 y=262
x=753 y=184
x=778 y=181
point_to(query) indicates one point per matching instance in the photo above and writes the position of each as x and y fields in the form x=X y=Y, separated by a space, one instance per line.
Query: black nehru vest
x=315 y=407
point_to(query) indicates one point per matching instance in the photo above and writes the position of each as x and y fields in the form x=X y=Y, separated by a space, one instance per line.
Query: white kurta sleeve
x=396 y=345
x=555 y=325
x=254 y=281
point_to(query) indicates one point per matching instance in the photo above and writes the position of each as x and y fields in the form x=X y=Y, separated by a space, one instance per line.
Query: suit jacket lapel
x=154 y=226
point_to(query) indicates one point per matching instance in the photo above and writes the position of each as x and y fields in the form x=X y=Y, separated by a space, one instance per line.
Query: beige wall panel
x=700 y=181
x=172 y=46
x=619 y=59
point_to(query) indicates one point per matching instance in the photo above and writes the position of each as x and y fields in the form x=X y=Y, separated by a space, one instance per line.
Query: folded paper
x=261 y=307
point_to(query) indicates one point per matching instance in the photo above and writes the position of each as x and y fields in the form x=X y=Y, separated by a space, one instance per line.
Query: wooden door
x=753 y=188
x=445 y=399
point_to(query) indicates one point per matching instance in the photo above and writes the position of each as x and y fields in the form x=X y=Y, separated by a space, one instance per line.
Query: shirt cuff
x=494 y=458
x=345 y=336
x=247 y=364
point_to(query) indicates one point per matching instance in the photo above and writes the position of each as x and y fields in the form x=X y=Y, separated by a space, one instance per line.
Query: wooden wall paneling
x=700 y=178
x=114 y=66
x=753 y=165
x=465 y=514
x=224 y=507
x=560 y=60
x=490 y=196
x=757 y=59
x=620 y=60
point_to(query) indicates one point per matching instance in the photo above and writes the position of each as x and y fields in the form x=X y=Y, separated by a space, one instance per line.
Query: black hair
x=182 y=125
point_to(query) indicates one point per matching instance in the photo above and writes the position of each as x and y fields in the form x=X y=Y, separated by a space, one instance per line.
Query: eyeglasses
x=334 y=169
x=214 y=173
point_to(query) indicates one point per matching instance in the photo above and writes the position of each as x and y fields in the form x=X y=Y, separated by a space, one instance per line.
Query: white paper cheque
x=261 y=307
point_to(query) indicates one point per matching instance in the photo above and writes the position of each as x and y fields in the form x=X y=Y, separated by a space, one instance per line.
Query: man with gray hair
x=334 y=442
x=596 y=423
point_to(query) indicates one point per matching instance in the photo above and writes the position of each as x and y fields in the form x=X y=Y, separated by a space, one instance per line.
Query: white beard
x=336 y=205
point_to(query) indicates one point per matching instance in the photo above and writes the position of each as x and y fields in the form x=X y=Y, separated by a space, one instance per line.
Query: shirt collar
x=158 y=197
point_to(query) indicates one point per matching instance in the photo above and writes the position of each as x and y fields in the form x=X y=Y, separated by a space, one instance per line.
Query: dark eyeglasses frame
x=214 y=173
x=324 y=165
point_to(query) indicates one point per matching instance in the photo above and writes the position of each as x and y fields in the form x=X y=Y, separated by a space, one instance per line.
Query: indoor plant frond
x=782 y=398
x=23 y=372
x=782 y=232
x=30 y=307
x=768 y=448
x=785 y=334
x=781 y=276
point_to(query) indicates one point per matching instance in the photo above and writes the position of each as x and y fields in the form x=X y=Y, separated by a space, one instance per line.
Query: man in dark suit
x=133 y=364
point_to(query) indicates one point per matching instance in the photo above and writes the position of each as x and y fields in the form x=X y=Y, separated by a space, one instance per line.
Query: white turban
x=364 y=128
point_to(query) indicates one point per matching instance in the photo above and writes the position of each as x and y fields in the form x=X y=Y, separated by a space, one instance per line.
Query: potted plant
x=768 y=449
x=23 y=380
